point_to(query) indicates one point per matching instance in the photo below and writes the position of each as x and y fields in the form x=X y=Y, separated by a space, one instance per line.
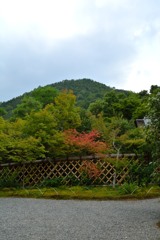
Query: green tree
x=111 y=105
x=49 y=123
x=44 y=95
x=2 y=112
x=129 y=105
x=27 y=105
x=15 y=146
x=153 y=130
x=154 y=89
x=85 y=121
x=99 y=123
x=65 y=111
x=96 y=107
x=42 y=125
x=86 y=90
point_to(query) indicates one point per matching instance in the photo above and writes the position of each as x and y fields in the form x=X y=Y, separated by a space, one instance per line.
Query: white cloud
x=144 y=70
x=112 y=41
x=111 y=3
x=48 y=19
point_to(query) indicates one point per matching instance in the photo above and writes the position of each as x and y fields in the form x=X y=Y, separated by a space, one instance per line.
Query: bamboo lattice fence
x=96 y=169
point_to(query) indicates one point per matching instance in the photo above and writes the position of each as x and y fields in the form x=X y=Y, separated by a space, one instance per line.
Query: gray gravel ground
x=39 y=219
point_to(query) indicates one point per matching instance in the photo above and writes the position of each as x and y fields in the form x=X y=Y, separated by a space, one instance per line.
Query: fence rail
x=90 y=157
x=93 y=169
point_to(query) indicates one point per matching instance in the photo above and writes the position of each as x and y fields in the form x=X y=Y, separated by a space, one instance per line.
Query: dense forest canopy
x=78 y=117
x=86 y=91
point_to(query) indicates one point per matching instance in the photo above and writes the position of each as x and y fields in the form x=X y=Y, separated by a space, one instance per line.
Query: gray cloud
x=103 y=54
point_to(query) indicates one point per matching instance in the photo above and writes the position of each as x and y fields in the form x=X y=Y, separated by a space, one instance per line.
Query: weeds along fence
x=74 y=171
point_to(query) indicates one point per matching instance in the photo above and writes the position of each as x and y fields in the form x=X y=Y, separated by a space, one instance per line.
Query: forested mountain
x=76 y=117
x=90 y=95
x=86 y=91
x=40 y=95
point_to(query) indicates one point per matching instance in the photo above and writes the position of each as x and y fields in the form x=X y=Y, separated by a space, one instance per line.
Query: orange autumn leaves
x=84 y=143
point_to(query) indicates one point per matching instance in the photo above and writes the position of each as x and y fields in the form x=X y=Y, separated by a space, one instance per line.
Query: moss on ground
x=83 y=192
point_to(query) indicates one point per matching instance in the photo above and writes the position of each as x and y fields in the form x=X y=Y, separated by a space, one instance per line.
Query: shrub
x=10 y=181
x=71 y=180
x=128 y=188
x=55 y=182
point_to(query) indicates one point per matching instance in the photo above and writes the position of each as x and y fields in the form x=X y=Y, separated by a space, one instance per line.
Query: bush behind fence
x=85 y=171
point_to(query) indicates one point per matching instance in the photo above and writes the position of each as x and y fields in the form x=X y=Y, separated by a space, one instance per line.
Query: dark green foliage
x=154 y=89
x=2 y=112
x=85 y=179
x=55 y=182
x=86 y=90
x=111 y=105
x=143 y=93
x=10 y=105
x=27 y=105
x=129 y=105
x=85 y=121
x=153 y=129
x=97 y=107
x=9 y=181
x=71 y=180
x=128 y=188
x=39 y=97
x=44 y=95
x=141 y=172
x=102 y=98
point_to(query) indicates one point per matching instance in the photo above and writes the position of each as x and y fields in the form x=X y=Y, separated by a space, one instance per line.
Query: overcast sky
x=115 y=42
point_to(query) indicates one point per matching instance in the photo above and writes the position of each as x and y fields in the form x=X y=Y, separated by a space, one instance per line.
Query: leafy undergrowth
x=83 y=192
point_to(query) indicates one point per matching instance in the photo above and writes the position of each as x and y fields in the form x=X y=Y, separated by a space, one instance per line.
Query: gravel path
x=39 y=219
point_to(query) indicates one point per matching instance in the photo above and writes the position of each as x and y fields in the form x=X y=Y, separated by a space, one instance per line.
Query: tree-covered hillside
x=43 y=96
x=86 y=91
x=54 y=122
x=94 y=96
x=51 y=122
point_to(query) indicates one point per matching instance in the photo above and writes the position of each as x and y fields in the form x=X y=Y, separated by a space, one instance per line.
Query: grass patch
x=83 y=192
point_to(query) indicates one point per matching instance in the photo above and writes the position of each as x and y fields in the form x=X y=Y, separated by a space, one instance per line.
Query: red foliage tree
x=91 y=169
x=84 y=143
